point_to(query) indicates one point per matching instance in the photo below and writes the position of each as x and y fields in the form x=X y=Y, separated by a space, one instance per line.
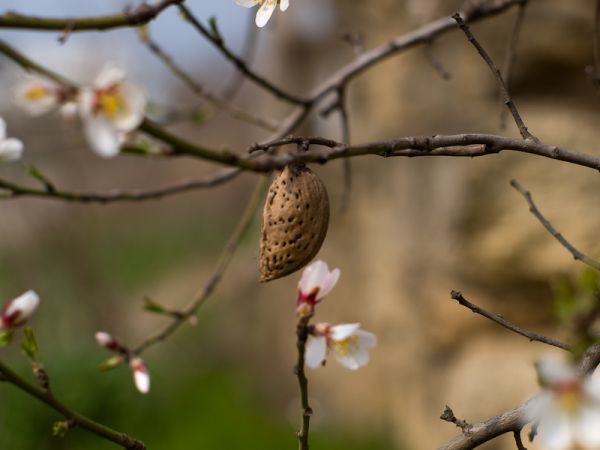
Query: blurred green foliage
x=84 y=271
x=214 y=409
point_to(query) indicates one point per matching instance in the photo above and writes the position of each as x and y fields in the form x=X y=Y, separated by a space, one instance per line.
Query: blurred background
x=415 y=229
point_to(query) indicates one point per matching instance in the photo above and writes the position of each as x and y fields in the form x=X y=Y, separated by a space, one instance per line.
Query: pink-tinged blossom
x=347 y=342
x=266 y=9
x=568 y=408
x=11 y=149
x=316 y=282
x=141 y=376
x=17 y=311
x=110 y=108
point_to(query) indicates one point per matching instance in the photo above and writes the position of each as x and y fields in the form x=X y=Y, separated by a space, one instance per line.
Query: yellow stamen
x=110 y=104
x=346 y=346
x=36 y=92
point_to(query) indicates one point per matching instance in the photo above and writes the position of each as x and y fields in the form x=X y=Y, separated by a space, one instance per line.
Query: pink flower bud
x=17 y=311
x=141 y=377
x=316 y=282
x=106 y=340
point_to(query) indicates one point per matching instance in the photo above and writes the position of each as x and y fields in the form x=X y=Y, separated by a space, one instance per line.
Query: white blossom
x=17 y=311
x=347 y=342
x=266 y=9
x=568 y=408
x=110 y=108
x=141 y=376
x=316 y=282
x=36 y=96
x=11 y=149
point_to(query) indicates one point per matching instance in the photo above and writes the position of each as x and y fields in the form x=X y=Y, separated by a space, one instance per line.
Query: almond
x=295 y=221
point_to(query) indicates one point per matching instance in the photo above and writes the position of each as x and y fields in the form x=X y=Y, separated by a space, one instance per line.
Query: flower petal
x=587 y=427
x=135 y=104
x=329 y=283
x=284 y=4
x=111 y=74
x=247 y=3
x=316 y=351
x=265 y=12
x=11 y=149
x=553 y=370
x=366 y=339
x=2 y=129
x=361 y=356
x=349 y=361
x=103 y=137
x=86 y=102
x=555 y=432
x=343 y=331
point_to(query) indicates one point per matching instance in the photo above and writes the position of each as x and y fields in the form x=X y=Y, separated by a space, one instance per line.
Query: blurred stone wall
x=418 y=228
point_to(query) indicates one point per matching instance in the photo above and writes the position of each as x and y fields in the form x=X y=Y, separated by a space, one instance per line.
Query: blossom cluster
x=141 y=375
x=109 y=109
x=347 y=342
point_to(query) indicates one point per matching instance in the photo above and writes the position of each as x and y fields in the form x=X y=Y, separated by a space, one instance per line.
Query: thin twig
x=518 y=440
x=13 y=190
x=88 y=424
x=140 y=15
x=510 y=56
x=347 y=165
x=239 y=63
x=199 y=90
x=503 y=89
x=594 y=70
x=434 y=62
x=506 y=324
x=302 y=332
x=217 y=275
x=577 y=255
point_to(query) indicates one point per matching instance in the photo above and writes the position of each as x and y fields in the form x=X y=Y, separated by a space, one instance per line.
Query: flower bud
x=141 y=377
x=17 y=311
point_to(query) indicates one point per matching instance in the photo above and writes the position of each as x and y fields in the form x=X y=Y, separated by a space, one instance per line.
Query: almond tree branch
x=13 y=190
x=514 y=419
x=506 y=324
x=215 y=278
x=76 y=418
x=457 y=145
x=503 y=89
x=577 y=255
x=140 y=15
x=239 y=63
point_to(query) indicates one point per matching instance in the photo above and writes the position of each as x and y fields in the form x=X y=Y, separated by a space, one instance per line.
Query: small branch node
x=448 y=416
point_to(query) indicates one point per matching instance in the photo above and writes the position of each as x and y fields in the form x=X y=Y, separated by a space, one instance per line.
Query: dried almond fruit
x=295 y=221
